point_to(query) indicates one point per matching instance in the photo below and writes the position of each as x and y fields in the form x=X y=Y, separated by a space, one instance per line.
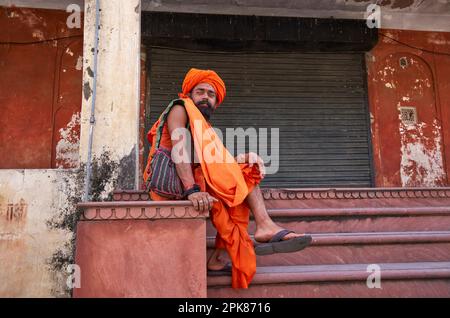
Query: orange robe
x=227 y=181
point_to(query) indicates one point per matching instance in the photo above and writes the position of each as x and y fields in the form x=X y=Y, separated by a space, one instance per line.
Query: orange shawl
x=227 y=181
x=230 y=183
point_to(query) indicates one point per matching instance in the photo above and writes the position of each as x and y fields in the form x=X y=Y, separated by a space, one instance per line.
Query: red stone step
x=361 y=211
x=348 y=248
x=363 y=219
x=356 y=197
x=424 y=279
x=348 y=209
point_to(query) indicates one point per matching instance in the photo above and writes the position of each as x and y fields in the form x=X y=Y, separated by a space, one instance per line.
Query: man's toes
x=293 y=235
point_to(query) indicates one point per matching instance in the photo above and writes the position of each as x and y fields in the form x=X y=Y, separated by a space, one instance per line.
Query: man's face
x=204 y=97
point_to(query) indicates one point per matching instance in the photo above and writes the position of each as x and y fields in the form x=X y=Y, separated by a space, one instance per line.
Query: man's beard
x=205 y=108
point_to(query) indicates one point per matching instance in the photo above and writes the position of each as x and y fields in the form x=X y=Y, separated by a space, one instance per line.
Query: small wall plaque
x=408 y=115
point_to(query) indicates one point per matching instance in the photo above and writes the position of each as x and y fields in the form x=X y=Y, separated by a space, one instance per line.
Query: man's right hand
x=202 y=201
x=251 y=158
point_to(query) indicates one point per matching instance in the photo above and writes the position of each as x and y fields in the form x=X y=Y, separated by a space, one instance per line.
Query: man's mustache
x=204 y=103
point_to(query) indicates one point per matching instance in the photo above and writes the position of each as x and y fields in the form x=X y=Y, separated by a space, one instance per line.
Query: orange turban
x=196 y=76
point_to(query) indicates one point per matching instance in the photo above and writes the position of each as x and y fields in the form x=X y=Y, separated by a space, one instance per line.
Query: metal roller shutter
x=318 y=102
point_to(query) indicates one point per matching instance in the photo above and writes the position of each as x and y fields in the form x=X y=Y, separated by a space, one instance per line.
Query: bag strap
x=163 y=119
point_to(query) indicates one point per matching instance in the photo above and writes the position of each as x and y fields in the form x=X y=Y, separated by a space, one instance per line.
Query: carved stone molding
x=321 y=194
x=356 y=193
x=126 y=195
x=139 y=210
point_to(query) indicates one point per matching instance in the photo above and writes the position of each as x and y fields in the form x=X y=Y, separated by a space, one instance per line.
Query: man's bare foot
x=218 y=260
x=264 y=234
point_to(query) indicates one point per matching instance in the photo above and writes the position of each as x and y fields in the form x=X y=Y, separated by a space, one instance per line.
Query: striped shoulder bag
x=163 y=179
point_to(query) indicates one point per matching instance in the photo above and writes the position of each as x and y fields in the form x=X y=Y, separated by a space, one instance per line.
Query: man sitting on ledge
x=227 y=189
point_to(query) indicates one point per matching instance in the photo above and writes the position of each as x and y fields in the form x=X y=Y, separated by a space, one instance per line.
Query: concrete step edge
x=359 y=211
x=347 y=272
x=372 y=238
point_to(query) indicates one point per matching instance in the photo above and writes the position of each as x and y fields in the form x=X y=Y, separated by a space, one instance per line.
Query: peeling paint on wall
x=37 y=232
x=30 y=18
x=79 y=65
x=39 y=79
x=409 y=102
x=87 y=91
x=33 y=254
x=68 y=146
x=386 y=76
x=68 y=51
x=421 y=156
x=38 y=34
x=389 y=85
x=438 y=41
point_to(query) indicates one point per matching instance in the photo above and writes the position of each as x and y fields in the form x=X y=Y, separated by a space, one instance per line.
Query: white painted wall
x=27 y=244
x=117 y=101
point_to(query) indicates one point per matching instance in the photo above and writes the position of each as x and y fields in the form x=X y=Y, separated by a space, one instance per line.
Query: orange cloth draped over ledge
x=230 y=183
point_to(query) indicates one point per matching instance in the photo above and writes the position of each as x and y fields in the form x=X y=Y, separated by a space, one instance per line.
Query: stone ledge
x=322 y=193
x=139 y=210
x=141 y=258
x=356 y=193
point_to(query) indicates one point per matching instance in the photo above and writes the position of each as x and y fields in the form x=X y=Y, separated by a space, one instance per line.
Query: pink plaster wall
x=142 y=258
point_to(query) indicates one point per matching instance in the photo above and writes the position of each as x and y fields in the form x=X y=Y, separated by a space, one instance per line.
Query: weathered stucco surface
x=41 y=101
x=67 y=148
x=29 y=199
x=40 y=80
x=117 y=103
x=38 y=207
x=421 y=156
x=407 y=80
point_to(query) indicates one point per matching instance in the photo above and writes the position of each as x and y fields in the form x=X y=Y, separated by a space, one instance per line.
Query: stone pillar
x=141 y=249
x=116 y=131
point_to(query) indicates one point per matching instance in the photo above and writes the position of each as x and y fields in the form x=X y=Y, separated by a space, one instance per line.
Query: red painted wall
x=410 y=155
x=40 y=89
